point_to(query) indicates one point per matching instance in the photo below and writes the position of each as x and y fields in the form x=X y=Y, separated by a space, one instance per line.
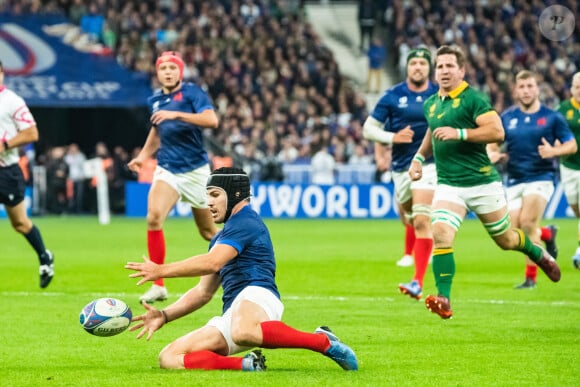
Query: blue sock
x=35 y=239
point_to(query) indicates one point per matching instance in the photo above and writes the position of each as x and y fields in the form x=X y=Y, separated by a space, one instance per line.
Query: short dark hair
x=453 y=50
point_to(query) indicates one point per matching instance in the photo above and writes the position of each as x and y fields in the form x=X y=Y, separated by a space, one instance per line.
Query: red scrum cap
x=171 y=56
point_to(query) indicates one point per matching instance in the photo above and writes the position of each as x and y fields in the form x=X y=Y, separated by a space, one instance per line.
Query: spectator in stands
x=376 y=56
x=322 y=165
x=77 y=10
x=92 y=23
x=367 y=13
x=56 y=176
x=75 y=160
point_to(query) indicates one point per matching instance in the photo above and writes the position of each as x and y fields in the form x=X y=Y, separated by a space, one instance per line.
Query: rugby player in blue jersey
x=241 y=260
x=398 y=119
x=534 y=136
x=179 y=113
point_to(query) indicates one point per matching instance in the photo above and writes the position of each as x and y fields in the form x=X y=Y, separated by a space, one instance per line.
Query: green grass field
x=330 y=272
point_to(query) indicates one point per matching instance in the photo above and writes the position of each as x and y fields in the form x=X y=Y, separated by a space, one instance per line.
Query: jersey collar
x=458 y=90
x=575 y=103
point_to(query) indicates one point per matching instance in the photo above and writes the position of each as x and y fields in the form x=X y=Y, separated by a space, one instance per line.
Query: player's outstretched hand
x=150 y=322
x=147 y=269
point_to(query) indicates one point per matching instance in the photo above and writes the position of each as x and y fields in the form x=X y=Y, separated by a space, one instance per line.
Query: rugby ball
x=105 y=317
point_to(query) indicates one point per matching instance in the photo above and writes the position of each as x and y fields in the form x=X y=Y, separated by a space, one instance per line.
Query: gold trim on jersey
x=458 y=90
x=575 y=103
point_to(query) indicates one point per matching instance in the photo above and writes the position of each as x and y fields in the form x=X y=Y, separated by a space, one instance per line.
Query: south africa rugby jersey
x=570 y=109
x=396 y=109
x=181 y=147
x=460 y=163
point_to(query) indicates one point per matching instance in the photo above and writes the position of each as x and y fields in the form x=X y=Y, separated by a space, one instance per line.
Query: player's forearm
x=192 y=300
x=206 y=119
x=195 y=266
x=23 y=137
x=567 y=148
x=152 y=143
x=426 y=148
x=372 y=130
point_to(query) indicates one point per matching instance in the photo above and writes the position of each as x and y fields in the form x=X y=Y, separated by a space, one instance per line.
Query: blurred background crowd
x=277 y=87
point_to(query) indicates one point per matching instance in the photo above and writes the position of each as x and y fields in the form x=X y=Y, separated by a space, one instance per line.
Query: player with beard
x=461 y=123
x=398 y=119
x=179 y=113
x=534 y=136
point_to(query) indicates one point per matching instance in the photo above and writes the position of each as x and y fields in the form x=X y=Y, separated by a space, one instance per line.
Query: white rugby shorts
x=191 y=185
x=481 y=199
x=515 y=193
x=571 y=182
x=404 y=186
x=256 y=294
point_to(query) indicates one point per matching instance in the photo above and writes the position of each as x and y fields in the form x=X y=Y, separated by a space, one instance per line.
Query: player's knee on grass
x=169 y=360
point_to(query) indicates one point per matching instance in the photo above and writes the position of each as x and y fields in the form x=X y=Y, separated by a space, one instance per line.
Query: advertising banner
x=354 y=201
x=47 y=72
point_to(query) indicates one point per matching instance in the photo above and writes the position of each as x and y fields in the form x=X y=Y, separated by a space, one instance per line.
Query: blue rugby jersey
x=523 y=135
x=400 y=107
x=181 y=147
x=255 y=264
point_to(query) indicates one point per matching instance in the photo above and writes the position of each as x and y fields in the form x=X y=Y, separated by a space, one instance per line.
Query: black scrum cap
x=234 y=182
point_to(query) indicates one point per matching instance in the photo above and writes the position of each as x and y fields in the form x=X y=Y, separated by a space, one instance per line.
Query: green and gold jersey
x=460 y=163
x=570 y=109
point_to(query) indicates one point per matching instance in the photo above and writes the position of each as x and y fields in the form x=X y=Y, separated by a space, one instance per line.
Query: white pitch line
x=298 y=298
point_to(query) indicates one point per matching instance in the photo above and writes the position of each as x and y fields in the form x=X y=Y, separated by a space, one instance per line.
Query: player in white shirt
x=17 y=128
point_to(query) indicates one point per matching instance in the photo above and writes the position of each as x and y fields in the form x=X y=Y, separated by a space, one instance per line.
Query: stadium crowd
x=277 y=88
x=500 y=39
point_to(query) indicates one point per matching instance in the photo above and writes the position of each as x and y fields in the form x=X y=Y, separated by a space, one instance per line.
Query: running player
x=17 y=128
x=179 y=113
x=398 y=117
x=461 y=123
x=570 y=166
x=534 y=136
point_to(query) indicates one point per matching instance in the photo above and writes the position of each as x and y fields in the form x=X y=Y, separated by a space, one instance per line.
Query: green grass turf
x=341 y=273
